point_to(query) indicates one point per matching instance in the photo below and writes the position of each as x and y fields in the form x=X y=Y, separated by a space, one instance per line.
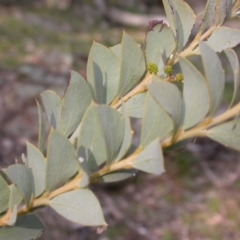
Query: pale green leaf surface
x=117 y=50
x=102 y=70
x=127 y=135
x=181 y=19
x=233 y=59
x=4 y=193
x=15 y=197
x=91 y=137
x=227 y=134
x=223 y=38
x=61 y=161
x=169 y=98
x=195 y=94
x=53 y=107
x=76 y=100
x=150 y=160
x=102 y=133
x=215 y=12
x=132 y=65
x=84 y=180
x=79 y=206
x=22 y=178
x=161 y=64
x=112 y=125
x=118 y=176
x=37 y=163
x=13 y=216
x=159 y=38
x=135 y=105
x=155 y=123
x=41 y=129
x=27 y=227
x=215 y=76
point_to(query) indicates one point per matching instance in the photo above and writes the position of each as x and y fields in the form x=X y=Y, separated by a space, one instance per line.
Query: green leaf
x=118 y=176
x=169 y=98
x=214 y=75
x=91 y=137
x=227 y=134
x=150 y=160
x=41 y=129
x=27 y=227
x=61 y=161
x=156 y=122
x=233 y=59
x=117 y=50
x=79 y=206
x=159 y=38
x=181 y=19
x=15 y=197
x=127 y=136
x=37 y=163
x=103 y=73
x=53 y=107
x=135 y=105
x=13 y=216
x=22 y=178
x=215 y=12
x=76 y=100
x=84 y=180
x=101 y=132
x=112 y=125
x=195 y=94
x=4 y=193
x=223 y=38
x=132 y=65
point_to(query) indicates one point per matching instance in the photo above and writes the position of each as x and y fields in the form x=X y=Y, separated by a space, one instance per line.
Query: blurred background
x=40 y=41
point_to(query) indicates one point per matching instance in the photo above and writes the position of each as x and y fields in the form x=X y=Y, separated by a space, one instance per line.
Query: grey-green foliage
x=89 y=136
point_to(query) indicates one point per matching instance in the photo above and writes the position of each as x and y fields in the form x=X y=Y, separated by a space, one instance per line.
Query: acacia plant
x=90 y=136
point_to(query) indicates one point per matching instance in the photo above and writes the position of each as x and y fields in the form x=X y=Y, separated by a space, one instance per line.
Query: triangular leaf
x=102 y=71
x=22 y=178
x=135 y=105
x=233 y=59
x=61 y=161
x=41 y=129
x=181 y=19
x=15 y=197
x=227 y=134
x=27 y=227
x=4 y=193
x=214 y=13
x=169 y=98
x=118 y=176
x=37 y=163
x=76 y=100
x=127 y=136
x=13 y=216
x=223 y=38
x=150 y=160
x=156 y=122
x=195 y=94
x=84 y=180
x=117 y=50
x=101 y=132
x=214 y=75
x=158 y=38
x=112 y=124
x=53 y=107
x=91 y=137
x=79 y=206
x=132 y=65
